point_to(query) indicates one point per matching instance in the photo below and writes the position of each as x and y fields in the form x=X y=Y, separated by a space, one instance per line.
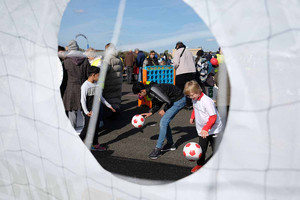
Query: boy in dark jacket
x=161 y=94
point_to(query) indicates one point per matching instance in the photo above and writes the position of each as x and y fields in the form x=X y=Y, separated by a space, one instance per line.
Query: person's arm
x=107 y=104
x=211 y=121
x=103 y=100
x=156 y=105
x=83 y=99
x=193 y=114
x=192 y=119
x=176 y=59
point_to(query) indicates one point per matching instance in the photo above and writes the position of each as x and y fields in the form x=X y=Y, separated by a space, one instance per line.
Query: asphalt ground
x=129 y=147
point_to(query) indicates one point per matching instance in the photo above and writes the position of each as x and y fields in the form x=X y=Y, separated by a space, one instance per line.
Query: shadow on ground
x=142 y=169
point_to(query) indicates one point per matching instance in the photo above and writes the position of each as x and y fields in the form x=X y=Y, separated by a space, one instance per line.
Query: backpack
x=202 y=67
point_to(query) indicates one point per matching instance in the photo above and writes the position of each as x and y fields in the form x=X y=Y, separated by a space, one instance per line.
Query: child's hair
x=93 y=70
x=137 y=87
x=192 y=87
x=61 y=48
x=163 y=62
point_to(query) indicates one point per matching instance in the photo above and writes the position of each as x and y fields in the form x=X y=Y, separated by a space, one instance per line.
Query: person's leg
x=129 y=74
x=189 y=77
x=203 y=142
x=72 y=115
x=101 y=115
x=217 y=138
x=169 y=135
x=140 y=74
x=165 y=120
x=96 y=146
x=180 y=81
x=85 y=128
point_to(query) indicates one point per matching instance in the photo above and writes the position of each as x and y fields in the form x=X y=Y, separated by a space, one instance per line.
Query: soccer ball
x=192 y=151
x=138 y=121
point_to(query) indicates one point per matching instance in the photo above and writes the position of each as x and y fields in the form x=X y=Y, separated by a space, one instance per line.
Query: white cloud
x=79 y=11
x=210 y=40
x=167 y=41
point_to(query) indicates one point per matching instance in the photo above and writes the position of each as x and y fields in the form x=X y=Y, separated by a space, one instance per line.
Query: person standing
x=184 y=65
x=112 y=90
x=94 y=60
x=151 y=60
x=129 y=64
x=88 y=90
x=76 y=66
x=139 y=62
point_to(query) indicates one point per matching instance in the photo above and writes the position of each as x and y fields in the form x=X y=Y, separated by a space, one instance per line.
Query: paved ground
x=129 y=147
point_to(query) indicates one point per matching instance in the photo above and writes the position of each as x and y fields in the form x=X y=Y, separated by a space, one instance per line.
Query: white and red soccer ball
x=192 y=151
x=138 y=121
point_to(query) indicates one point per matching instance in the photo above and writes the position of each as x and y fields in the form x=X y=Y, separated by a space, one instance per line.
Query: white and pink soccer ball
x=138 y=121
x=192 y=151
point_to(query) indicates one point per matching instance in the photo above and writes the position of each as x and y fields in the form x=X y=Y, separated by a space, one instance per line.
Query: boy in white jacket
x=206 y=117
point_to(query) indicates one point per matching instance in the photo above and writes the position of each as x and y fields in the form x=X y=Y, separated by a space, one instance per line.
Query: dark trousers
x=214 y=141
x=129 y=71
x=85 y=128
x=180 y=81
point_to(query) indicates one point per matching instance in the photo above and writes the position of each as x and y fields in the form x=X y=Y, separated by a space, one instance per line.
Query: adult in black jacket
x=174 y=101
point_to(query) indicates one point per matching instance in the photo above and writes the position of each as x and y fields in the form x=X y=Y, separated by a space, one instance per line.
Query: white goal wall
x=41 y=156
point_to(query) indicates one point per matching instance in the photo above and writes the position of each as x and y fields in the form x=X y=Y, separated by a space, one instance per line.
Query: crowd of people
x=195 y=77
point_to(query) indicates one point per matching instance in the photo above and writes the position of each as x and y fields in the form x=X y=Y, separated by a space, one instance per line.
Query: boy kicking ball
x=206 y=117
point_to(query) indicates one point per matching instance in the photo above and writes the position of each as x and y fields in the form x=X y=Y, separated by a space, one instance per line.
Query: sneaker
x=196 y=168
x=156 y=153
x=169 y=147
x=98 y=147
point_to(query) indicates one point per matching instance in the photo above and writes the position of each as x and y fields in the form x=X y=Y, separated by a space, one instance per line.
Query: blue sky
x=147 y=25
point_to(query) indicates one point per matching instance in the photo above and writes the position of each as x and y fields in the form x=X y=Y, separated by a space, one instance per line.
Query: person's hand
x=146 y=114
x=161 y=113
x=90 y=114
x=192 y=121
x=204 y=133
x=112 y=109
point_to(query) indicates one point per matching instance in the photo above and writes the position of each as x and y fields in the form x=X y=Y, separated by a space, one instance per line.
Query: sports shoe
x=169 y=147
x=196 y=168
x=98 y=147
x=156 y=153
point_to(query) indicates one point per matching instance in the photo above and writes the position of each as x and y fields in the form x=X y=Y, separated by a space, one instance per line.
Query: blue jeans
x=165 y=130
x=140 y=74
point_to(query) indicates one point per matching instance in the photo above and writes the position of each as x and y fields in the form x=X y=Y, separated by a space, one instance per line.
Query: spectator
x=163 y=62
x=184 y=64
x=62 y=74
x=129 y=64
x=209 y=56
x=112 y=91
x=76 y=66
x=139 y=63
x=94 y=60
x=151 y=60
